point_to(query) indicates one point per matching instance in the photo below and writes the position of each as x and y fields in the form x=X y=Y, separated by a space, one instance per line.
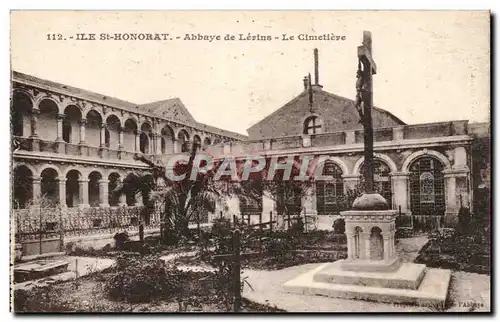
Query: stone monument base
x=408 y=284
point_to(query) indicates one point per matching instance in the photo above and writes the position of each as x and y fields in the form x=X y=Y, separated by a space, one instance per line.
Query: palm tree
x=181 y=201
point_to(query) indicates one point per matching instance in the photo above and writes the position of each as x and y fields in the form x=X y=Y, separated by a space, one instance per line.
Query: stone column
x=366 y=240
x=460 y=158
x=400 y=191
x=62 y=192
x=103 y=135
x=268 y=206
x=350 y=245
x=451 y=193
x=158 y=143
x=34 y=123
x=138 y=141
x=387 y=245
x=84 y=193
x=309 y=200
x=175 y=145
x=83 y=123
x=35 y=140
x=60 y=119
x=350 y=181
x=37 y=189
x=120 y=138
x=103 y=193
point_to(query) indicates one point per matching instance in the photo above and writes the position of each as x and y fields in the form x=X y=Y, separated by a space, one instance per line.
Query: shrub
x=339 y=226
x=141 y=279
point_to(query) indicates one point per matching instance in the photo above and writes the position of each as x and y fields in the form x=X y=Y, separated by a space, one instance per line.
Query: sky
x=432 y=66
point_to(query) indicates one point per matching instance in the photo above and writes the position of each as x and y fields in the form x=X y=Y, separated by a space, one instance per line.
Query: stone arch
x=65 y=173
x=318 y=121
x=415 y=155
x=73 y=176
x=42 y=98
x=131 y=120
x=338 y=161
x=22 y=185
x=25 y=92
x=49 y=166
x=95 y=109
x=21 y=111
x=383 y=157
x=114 y=178
x=376 y=243
x=94 y=187
x=358 y=243
x=34 y=172
x=145 y=124
x=110 y=114
x=182 y=129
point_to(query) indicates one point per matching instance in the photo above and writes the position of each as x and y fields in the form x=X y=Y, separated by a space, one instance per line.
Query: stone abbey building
x=75 y=146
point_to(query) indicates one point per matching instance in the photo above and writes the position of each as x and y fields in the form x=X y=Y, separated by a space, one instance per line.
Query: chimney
x=316 y=68
x=305 y=80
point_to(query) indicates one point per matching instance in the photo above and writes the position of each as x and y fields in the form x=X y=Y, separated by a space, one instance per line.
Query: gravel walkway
x=465 y=288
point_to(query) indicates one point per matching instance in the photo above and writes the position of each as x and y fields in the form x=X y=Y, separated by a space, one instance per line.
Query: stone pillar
x=83 y=123
x=37 y=189
x=34 y=123
x=400 y=191
x=120 y=138
x=122 y=200
x=158 y=143
x=451 y=193
x=35 y=140
x=387 y=245
x=84 y=193
x=366 y=240
x=309 y=200
x=103 y=135
x=138 y=141
x=398 y=133
x=350 y=137
x=350 y=245
x=460 y=159
x=103 y=193
x=62 y=192
x=60 y=119
x=350 y=181
x=268 y=205
x=175 y=145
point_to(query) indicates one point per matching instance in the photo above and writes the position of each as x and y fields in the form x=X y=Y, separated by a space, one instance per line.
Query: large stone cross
x=365 y=94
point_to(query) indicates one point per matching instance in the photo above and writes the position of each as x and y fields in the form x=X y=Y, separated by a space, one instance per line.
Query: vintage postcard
x=250 y=161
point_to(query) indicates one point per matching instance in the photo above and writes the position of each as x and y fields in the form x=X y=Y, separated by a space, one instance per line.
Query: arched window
x=427 y=187
x=382 y=180
x=328 y=192
x=312 y=125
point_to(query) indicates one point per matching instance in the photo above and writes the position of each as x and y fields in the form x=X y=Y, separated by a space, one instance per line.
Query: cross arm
x=365 y=55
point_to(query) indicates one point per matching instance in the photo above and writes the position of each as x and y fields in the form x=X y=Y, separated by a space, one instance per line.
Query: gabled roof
x=172 y=109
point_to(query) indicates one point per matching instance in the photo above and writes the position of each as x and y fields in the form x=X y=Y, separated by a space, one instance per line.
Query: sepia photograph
x=250 y=161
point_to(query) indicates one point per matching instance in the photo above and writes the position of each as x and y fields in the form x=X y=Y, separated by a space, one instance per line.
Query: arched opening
x=145 y=138
x=312 y=125
x=382 y=179
x=73 y=188
x=21 y=110
x=130 y=180
x=112 y=138
x=47 y=120
x=49 y=188
x=376 y=244
x=129 y=130
x=94 y=190
x=23 y=187
x=427 y=197
x=71 y=126
x=358 y=242
x=93 y=129
x=206 y=143
x=113 y=198
x=196 y=142
x=183 y=141
x=329 y=194
x=168 y=140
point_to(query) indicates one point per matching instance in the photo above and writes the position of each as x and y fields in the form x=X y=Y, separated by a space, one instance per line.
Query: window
x=328 y=192
x=312 y=125
x=427 y=187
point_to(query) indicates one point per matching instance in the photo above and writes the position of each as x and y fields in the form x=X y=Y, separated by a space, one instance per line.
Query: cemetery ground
x=188 y=278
